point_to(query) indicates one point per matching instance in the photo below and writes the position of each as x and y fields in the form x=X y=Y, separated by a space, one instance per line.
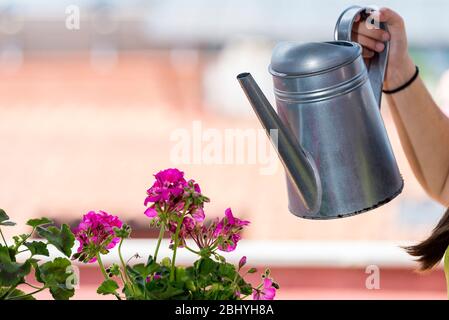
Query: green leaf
x=55 y=275
x=246 y=288
x=227 y=270
x=63 y=239
x=150 y=260
x=252 y=270
x=206 y=266
x=108 y=287
x=16 y=294
x=38 y=222
x=7 y=223
x=18 y=240
x=3 y=215
x=37 y=248
x=11 y=272
x=171 y=292
x=138 y=278
x=4 y=219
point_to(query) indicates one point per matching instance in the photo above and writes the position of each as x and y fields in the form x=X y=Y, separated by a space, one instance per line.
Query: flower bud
x=242 y=262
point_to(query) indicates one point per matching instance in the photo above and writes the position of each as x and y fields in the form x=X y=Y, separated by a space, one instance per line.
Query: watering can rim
x=304 y=59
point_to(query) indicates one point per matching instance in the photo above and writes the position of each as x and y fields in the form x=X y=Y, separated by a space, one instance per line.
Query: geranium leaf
x=38 y=222
x=63 y=239
x=4 y=219
x=252 y=270
x=11 y=272
x=206 y=266
x=16 y=294
x=3 y=215
x=18 y=240
x=170 y=292
x=37 y=248
x=108 y=287
x=226 y=270
x=7 y=223
x=54 y=274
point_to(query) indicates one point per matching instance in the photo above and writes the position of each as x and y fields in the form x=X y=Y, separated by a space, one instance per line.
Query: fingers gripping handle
x=378 y=64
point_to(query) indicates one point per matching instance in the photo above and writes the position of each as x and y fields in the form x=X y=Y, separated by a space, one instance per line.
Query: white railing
x=286 y=253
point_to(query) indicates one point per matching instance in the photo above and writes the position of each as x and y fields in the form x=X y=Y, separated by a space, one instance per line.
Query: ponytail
x=431 y=251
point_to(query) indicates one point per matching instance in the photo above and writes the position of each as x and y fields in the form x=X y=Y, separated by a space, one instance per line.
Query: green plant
x=207 y=278
x=176 y=207
x=55 y=275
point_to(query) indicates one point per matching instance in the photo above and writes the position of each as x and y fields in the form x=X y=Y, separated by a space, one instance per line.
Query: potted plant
x=174 y=205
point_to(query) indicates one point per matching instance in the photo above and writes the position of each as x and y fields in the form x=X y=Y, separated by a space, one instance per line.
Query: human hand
x=400 y=66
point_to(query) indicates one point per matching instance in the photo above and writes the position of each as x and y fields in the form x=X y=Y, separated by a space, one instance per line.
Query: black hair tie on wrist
x=405 y=85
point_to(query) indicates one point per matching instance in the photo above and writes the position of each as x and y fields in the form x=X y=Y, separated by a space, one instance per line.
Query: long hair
x=431 y=251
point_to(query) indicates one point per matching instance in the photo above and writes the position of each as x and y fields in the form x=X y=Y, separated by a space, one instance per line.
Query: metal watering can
x=329 y=132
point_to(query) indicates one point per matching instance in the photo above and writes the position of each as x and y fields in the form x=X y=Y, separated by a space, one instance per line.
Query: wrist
x=399 y=74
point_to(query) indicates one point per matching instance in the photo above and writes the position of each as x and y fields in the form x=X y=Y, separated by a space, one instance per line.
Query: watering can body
x=340 y=161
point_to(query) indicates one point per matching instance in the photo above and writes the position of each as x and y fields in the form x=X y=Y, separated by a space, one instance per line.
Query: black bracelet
x=405 y=85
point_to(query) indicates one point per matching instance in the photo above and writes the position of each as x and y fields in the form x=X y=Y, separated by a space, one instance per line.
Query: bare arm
x=423 y=128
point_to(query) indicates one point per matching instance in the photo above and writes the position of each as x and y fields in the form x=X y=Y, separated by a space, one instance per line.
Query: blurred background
x=87 y=117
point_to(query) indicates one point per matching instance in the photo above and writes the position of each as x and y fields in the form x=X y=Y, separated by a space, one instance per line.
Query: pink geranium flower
x=171 y=193
x=228 y=231
x=95 y=233
x=267 y=292
x=168 y=186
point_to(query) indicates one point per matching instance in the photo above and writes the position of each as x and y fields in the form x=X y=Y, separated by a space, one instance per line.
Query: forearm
x=424 y=133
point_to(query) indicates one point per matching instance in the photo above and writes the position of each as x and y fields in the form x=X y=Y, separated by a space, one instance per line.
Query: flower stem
x=159 y=239
x=175 y=247
x=125 y=271
x=29 y=284
x=191 y=250
x=103 y=270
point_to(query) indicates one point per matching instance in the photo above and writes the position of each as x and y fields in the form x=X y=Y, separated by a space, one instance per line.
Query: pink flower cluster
x=167 y=188
x=223 y=234
x=171 y=193
x=228 y=231
x=95 y=233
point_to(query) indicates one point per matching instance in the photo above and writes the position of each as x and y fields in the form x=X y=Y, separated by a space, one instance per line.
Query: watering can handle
x=378 y=64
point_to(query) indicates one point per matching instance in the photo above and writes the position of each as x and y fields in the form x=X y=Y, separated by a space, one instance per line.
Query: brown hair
x=431 y=251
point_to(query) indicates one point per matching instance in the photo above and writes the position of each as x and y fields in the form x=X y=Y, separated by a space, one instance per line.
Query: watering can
x=328 y=131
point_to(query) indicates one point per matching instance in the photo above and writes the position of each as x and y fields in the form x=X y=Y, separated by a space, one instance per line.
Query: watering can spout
x=299 y=165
